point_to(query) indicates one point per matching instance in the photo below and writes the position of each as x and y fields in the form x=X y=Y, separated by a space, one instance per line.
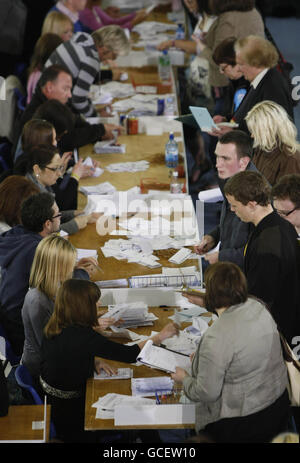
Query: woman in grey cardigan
x=239 y=377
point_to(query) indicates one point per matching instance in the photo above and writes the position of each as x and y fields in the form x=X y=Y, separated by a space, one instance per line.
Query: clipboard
x=188 y=119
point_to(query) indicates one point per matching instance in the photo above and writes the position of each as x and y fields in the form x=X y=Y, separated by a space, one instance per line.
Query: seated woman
x=54 y=262
x=239 y=377
x=42 y=165
x=71 y=342
x=13 y=191
x=45 y=131
x=94 y=17
x=58 y=23
x=44 y=46
x=276 y=149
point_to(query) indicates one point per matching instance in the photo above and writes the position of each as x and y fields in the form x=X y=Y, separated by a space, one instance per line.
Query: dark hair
x=58 y=114
x=43 y=48
x=38 y=154
x=36 y=132
x=36 y=210
x=13 y=191
x=51 y=73
x=242 y=141
x=249 y=186
x=75 y=304
x=224 y=52
x=203 y=6
x=225 y=285
x=288 y=187
x=221 y=6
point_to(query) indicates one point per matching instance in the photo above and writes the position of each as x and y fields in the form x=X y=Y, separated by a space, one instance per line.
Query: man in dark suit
x=257 y=59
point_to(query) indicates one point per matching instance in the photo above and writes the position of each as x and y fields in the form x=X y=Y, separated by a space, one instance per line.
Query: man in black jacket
x=272 y=253
x=233 y=154
x=56 y=83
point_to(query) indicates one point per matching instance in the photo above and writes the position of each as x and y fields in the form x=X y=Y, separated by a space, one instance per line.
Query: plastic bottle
x=164 y=67
x=169 y=106
x=175 y=186
x=171 y=152
x=180 y=34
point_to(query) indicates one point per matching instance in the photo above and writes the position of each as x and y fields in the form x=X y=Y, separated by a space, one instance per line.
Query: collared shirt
x=73 y=16
x=259 y=78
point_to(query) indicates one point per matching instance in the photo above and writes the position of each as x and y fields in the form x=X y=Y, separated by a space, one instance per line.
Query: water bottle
x=169 y=106
x=175 y=186
x=171 y=152
x=180 y=34
x=164 y=67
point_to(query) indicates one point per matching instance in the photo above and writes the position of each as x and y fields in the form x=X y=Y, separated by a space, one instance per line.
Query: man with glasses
x=286 y=199
x=272 y=253
x=40 y=217
x=83 y=56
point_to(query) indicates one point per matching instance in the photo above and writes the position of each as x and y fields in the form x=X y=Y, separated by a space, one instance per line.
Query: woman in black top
x=71 y=342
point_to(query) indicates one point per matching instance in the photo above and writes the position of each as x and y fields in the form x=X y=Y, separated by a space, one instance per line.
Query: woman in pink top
x=94 y=17
x=45 y=45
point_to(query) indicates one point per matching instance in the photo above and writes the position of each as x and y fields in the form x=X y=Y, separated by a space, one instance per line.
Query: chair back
x=9 y=354
x=24 y=380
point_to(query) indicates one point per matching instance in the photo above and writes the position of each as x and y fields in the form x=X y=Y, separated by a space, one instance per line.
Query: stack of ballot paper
x=132 y=314
x=100 y=189
x=148 y=387
x=108 y=147
x=128 y=166
x=107 y=404
x=180 y=256
x=89 y=162
x=122 y=373
x=132 y=250
x=185 y=342
x=163 y=359
x=118 y=90
x=199 y=326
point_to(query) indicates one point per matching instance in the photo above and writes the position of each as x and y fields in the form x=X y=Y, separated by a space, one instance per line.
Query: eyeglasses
x=55 y=169
x=56 y=217
x=284 y=213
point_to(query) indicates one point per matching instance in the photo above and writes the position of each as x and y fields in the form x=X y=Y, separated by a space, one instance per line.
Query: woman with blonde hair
x=276 y=149
x=59 y=24
x=53 y=263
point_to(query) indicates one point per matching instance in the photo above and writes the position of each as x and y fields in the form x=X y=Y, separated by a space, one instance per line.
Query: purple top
x=31 y=83
x=95 y=18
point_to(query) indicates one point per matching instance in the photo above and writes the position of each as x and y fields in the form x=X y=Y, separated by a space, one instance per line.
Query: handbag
x=293 y=368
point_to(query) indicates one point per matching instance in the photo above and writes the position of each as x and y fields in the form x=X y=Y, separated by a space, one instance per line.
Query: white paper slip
x=109 y=147
x=123 y=373
x=163 y=359
x=180 y=256
x=83 y=253
x=203 y=118
x=146 y=89
x=104 y=188
x=89 y=162
x=148 y=387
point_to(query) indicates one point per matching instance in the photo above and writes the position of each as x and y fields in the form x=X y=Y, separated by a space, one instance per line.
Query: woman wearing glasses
x=43 y=165
x=276 y=149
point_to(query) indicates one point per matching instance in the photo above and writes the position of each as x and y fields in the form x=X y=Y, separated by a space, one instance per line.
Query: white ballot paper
x=122 y=373
x=147 y=387
x=163 y=359
x=89 y=162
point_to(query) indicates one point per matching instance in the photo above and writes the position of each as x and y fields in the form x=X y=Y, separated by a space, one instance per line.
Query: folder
x=188 y=119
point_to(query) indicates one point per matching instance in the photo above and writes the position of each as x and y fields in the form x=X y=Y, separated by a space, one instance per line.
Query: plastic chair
x=9 y=354
x=21 y=99
x=24 y=380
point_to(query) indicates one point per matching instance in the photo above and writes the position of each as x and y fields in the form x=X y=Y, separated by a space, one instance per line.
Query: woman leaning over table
x=239 y=377
x=72 y=339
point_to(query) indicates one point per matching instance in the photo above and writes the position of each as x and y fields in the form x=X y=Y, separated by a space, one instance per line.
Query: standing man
x=286 y=199
x=233 y=154
x=272 y=253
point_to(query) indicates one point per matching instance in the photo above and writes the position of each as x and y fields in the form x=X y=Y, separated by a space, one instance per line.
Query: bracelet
x=75 y=176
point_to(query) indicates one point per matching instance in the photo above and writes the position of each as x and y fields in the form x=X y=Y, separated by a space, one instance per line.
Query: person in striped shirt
x=83 y=56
